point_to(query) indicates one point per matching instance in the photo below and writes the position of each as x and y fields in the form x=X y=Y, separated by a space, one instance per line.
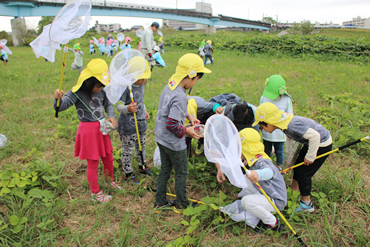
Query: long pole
x=137 y=130
x=276 y=209
x=61 y=80
x=330 y=152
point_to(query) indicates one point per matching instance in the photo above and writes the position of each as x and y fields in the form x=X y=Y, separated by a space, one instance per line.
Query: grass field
x=335 y=94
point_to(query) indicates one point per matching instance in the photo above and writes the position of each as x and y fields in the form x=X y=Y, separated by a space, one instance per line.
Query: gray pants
x=74 y=67
x=129 y=144
x=177 y=160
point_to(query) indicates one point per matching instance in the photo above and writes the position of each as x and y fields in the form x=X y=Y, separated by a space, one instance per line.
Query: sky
x=284 y=11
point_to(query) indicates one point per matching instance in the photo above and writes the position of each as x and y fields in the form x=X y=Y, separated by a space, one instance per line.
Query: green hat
x=76 y=46
x=275 y=86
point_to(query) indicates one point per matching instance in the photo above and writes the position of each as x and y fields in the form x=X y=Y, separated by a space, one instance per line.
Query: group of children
x=273 y=114
x=205 y=51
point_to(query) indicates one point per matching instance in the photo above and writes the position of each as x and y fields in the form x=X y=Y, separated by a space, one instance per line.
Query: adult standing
x=147 y=41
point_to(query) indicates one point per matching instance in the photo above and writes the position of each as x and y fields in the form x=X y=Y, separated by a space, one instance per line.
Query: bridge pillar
x=210 y=29
x=19 y=30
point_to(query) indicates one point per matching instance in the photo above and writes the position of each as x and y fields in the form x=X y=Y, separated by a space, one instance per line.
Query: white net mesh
x=222 y=145
x=71 y=22
x=139 y=33
x=126 y=67
x=7 y=50
x=96 y=42
x=160 y=33
x=42 y=46
x=120 y=37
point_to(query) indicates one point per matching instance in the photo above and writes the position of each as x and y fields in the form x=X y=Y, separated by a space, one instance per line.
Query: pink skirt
x=91 y=143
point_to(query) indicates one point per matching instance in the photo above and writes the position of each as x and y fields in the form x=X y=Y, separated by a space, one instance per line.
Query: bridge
x=24 y=8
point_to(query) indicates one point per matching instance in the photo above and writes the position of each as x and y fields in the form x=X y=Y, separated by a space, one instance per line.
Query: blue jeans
x=210 y=58
x=279 y=150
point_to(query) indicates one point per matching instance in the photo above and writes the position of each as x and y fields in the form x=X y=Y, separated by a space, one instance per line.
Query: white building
x=199 y=7
x=319 y=25
x=115 y=27
x=358 y=22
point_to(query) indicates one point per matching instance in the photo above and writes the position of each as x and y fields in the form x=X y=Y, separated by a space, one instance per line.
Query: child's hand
x=253 y=177
x=220 y=176
x=192 y=119
x=113 y=121
x=132 y=107
x=58 y=95
x=307 y=162
x=146 y=115
x=190 y=131
x=219 y=110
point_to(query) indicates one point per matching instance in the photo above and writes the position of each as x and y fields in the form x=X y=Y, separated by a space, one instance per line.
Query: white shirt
x=147 y=40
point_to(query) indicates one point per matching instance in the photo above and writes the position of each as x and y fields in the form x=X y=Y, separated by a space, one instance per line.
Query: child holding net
x=126 y=125
x=78 y=62
x=316 y=140
x=170 y=130
x=92 y=139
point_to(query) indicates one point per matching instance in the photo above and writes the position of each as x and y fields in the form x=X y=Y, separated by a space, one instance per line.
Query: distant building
x=199 y=7
x=319 y=25
x=358 y=22
x=115 y=27
x=136 y=27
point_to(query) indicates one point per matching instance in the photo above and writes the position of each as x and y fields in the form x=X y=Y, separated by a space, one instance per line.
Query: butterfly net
x=42 y=46
x=71 y=22
x=126 y=67
x=7 y=50
x=120 y=37
x=96 y=42
x=160 y=33
x=139 y=33
x=223 y=146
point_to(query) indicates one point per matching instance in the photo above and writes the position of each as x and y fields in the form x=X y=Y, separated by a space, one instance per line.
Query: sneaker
x=169 y=203
x=305 y=208
x=101 y=197
x=199 y=149
x=146 y=171
x=180 y=208
x=262 y=227
x=132 y=179
x=114 y=185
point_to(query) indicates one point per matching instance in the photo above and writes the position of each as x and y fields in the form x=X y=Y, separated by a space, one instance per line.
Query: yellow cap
x=252 y=147
x=160 y=39
x=192 y=109
x=209 y=42
x=188 y=65
x=97 y=68
x=136 y=65
x=270 y=114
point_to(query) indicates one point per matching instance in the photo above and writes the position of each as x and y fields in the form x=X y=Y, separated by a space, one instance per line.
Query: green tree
x=45 y=20
x=4 y=35
x=303 y=28
x=269 y=20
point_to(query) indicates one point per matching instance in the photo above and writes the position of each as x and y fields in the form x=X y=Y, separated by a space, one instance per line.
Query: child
x=275 y=93
x=207 y=52
x=316 y=139
x=200 y=109
x=139 y=47
x=201 y=52
x=114 y=46
x=161 y=44
x=90 y=143
x=170 y=130
x=126 y=125
x=242 y=115
x=126 y=45
x=101 y=46
x=92 y=49
x=78 y=63
x=109 y=48
x=157 y=56
x=3 y=56
x=269 y=178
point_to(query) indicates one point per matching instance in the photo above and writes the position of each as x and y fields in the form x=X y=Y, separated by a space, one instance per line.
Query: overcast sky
x=322 y=11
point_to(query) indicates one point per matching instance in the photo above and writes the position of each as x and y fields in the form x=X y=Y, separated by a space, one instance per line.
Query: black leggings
x=303 y=174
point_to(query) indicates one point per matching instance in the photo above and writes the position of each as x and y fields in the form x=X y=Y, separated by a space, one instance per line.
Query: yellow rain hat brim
x=147 y=73
x=270 y=114
x=252 y=147
x=188 y=65
x=97 y=68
